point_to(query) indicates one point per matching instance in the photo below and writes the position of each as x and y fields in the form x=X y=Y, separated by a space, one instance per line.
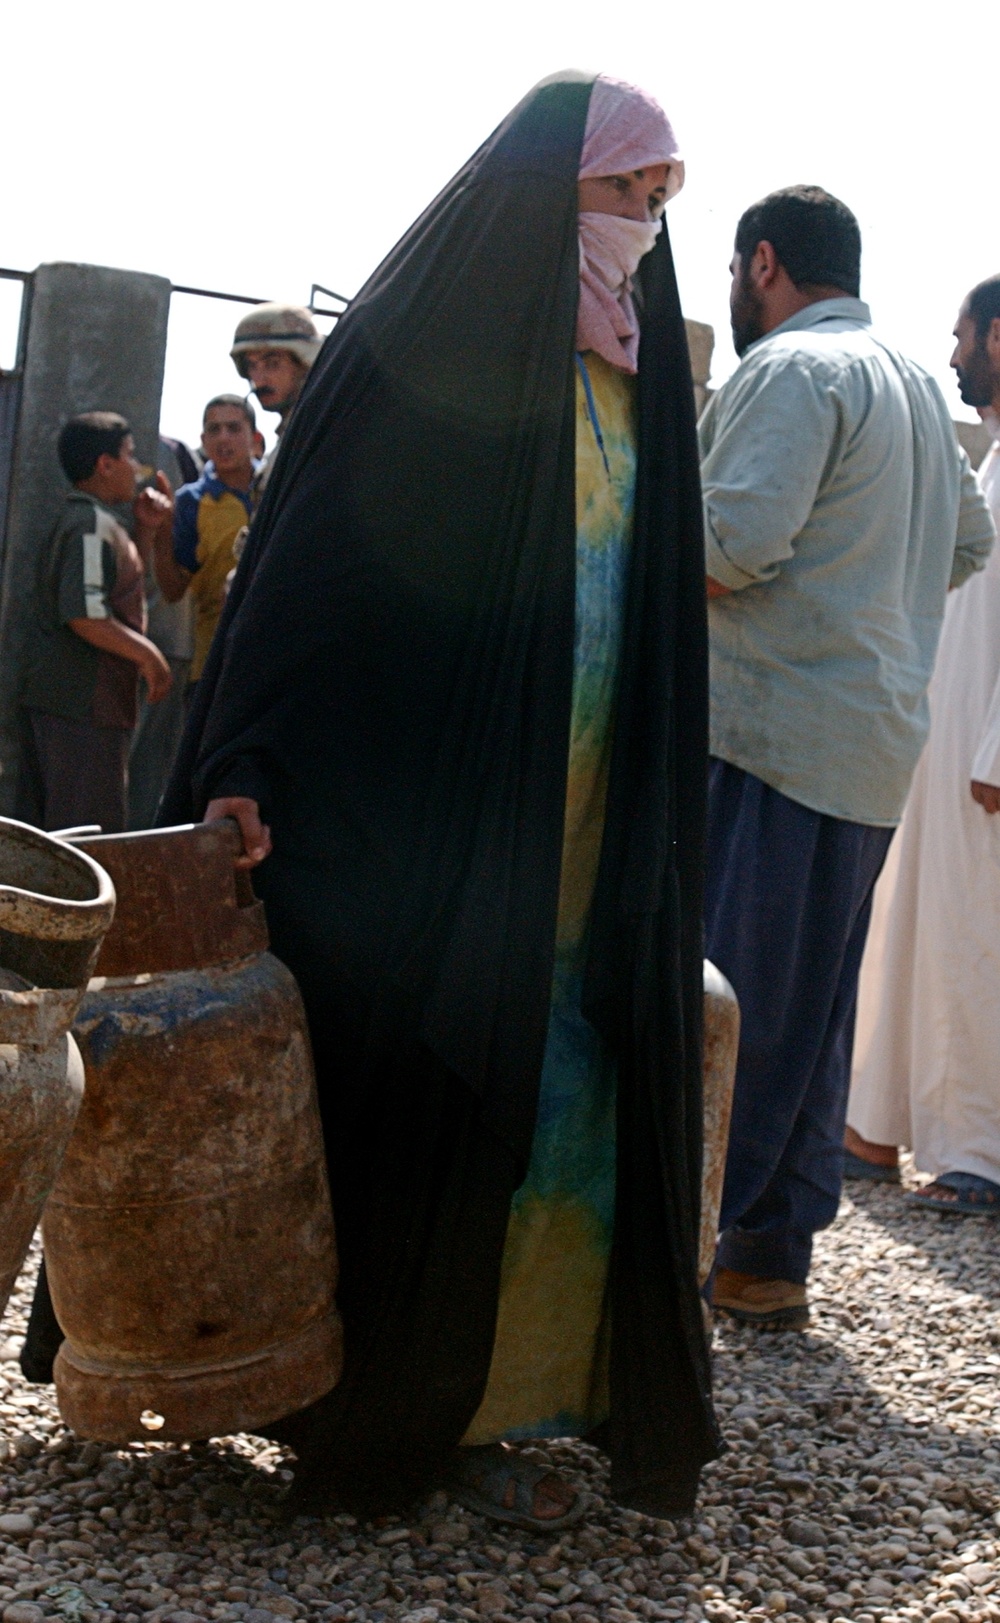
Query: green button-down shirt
x=839 y=509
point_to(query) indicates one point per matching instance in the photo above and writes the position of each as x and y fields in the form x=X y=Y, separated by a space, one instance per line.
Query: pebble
x=861 y=1484
x=15 y=1525
x=808 y=1534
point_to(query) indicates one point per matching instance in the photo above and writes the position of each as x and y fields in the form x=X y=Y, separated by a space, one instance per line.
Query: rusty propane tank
x=55 y=906
x=722 y=1041
x=189 y=1239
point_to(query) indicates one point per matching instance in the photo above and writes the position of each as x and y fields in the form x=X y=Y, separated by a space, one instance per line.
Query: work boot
x=772 y=1304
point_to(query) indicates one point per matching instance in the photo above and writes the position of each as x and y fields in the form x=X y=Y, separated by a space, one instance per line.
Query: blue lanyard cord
x=592 y=410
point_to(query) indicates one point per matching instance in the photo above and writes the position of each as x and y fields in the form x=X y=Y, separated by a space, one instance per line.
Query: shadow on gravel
x=860 y=1482
x=963 y=1251
x=847 y=1505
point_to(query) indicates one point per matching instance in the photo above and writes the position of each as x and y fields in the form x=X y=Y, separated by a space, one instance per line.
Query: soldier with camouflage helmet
x=273 y=348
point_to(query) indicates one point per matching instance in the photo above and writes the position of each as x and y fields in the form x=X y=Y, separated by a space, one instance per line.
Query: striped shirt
x=90 y=570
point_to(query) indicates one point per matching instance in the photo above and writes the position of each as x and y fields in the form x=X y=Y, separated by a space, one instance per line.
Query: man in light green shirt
x=839 y=510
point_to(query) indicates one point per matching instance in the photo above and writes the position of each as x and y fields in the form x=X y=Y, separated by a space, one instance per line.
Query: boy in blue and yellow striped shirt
x=209 y=515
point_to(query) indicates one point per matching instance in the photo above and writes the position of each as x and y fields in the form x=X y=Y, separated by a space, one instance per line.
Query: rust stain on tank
x=189 y=1241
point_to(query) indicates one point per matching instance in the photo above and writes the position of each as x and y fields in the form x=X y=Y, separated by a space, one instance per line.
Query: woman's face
x=640 y=194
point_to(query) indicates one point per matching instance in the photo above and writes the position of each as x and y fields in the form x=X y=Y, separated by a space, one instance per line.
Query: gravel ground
x=862 y=1481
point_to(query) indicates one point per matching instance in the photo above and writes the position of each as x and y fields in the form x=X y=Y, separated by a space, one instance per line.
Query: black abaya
x=392 y=682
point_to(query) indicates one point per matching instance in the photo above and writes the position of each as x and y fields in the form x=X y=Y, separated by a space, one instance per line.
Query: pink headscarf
x=626 y=130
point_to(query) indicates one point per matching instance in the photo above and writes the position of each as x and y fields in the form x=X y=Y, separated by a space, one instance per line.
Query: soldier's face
x=276 y=377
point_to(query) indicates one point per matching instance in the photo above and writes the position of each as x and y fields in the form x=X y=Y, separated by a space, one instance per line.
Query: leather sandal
x=964 y=1193
x=480 y=1479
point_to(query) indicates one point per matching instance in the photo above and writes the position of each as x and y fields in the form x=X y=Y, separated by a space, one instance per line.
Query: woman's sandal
x=481 y=1480
x=962 y=1192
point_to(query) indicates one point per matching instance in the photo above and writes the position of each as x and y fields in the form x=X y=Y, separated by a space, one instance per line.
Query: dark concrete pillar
x=96 y=341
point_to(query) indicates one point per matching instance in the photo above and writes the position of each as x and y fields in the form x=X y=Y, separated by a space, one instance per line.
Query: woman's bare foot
x=878 y=1155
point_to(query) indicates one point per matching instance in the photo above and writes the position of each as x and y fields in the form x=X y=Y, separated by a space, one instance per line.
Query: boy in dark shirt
x=80 y=695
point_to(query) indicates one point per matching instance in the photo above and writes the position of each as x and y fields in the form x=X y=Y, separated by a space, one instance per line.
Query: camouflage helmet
x=276 y=326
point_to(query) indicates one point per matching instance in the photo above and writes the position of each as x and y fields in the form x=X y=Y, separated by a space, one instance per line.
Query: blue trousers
x=788 y=899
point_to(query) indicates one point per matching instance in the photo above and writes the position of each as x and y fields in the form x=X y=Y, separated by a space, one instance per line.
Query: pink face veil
x=626 y=130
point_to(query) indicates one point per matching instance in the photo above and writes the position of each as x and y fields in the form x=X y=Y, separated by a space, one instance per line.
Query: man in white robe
x=927 y=1055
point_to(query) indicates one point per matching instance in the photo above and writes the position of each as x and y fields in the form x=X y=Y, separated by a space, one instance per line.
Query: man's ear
x=993 y=341
x=765 y=266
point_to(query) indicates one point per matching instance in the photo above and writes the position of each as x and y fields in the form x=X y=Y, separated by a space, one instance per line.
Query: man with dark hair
x=239 y=403
x=976 y=359
x=815 y=236
x=81 y=688
x=84 y=439
x=926 y=1073
x=838 y=510
x=209 y=516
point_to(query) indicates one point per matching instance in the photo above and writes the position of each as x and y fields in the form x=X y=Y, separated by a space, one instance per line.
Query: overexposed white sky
x=260 y=147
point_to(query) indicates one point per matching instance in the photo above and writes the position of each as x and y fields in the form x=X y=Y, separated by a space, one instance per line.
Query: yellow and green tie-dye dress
x=548 y=1376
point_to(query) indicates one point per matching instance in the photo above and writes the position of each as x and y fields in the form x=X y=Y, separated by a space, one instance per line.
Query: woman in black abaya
x=461 y=677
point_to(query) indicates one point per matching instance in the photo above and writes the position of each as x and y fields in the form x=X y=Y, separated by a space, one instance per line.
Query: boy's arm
x=83 y=600
x=112 y=636
x=171 y=577
x=153 y=511
x=175 y=548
